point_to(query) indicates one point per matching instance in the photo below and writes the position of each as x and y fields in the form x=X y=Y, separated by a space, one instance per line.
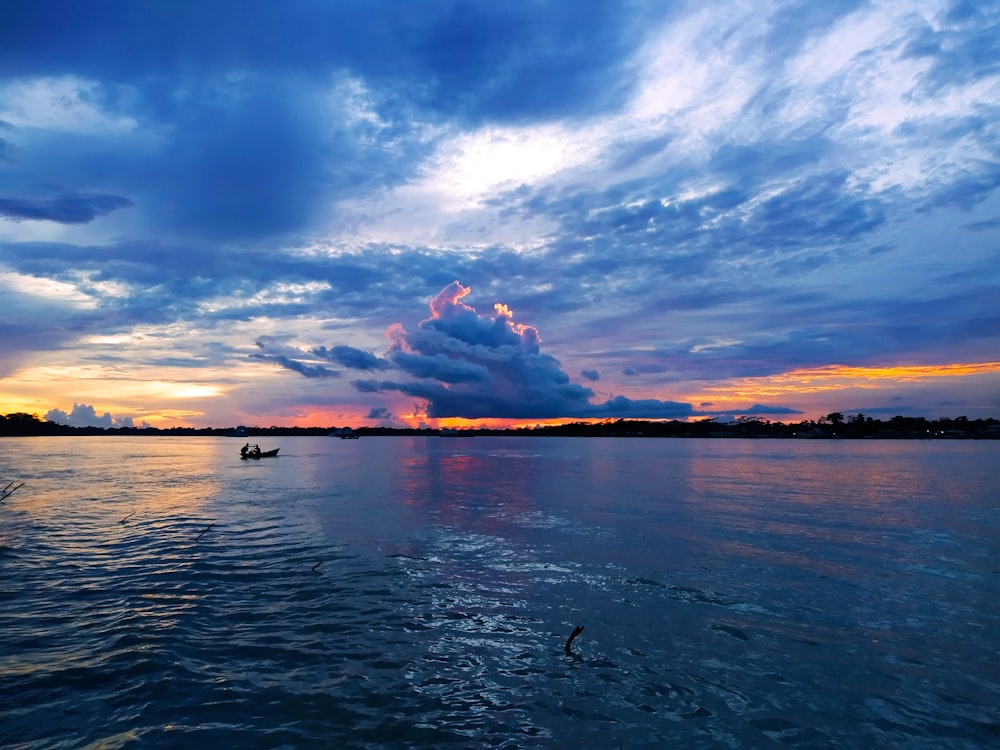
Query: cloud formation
x=462 y=364
x=695 y=200
x=85 y=415
x=65 y=209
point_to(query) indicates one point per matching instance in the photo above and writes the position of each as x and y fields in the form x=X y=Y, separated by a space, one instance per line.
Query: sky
x=441 y=213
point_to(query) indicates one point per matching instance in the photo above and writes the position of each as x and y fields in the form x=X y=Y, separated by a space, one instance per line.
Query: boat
x=262 y=454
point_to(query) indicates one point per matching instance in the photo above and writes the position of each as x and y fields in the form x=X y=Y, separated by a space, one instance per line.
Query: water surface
x=418 y=592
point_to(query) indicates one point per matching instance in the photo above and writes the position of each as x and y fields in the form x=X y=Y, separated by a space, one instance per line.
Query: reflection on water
x=418 y=592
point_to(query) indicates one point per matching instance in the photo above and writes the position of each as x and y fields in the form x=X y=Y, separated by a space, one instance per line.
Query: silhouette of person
x=244 y=449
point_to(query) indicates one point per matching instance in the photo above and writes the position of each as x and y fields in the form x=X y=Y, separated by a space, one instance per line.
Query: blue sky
x=216 y=213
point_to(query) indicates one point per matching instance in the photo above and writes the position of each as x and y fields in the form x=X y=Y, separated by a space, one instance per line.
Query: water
x=418 y=592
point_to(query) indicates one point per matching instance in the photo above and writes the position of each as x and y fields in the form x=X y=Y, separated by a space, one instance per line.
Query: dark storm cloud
x=69 y=208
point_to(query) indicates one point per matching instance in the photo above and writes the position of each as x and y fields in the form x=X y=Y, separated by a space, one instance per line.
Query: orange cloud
x=837 y=377
x=803 y=388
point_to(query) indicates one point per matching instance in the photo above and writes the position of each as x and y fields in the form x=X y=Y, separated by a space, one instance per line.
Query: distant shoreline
x=851 y=428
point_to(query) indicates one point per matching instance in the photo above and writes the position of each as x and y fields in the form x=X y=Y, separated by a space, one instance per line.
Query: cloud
x=379 y=412
x=273 y=350
x=443 y=367
x=69 y=208
x=478 y=58
x=313 y=371
x=84 y=415
x=487 y=366
x=348 y=356
x=963 y=48
x=683 y=194
x=250 y=137
x=766 y=409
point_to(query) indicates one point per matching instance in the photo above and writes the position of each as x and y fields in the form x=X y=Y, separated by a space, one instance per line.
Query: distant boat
x=345 y=433
x=263 y=454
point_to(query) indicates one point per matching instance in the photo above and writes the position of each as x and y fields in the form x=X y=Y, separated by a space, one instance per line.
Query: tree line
x=833 y=425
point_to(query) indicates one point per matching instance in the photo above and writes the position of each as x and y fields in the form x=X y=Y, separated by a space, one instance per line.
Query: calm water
x=398 y=592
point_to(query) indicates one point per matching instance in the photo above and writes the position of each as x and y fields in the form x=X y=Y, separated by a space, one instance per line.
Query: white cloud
x=68 y=104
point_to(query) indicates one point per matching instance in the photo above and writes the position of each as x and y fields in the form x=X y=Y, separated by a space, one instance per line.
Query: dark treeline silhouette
x=834 y=425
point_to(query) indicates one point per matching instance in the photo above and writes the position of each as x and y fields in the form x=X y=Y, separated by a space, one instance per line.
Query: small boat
x=260 y=454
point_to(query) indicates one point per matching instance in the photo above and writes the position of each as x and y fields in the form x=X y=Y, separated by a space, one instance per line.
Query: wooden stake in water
x=317 y=565
x=204 y=532
x=127 y=517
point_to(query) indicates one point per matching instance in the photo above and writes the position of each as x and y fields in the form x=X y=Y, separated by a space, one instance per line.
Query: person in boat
x=245 y=449
x=256 y=451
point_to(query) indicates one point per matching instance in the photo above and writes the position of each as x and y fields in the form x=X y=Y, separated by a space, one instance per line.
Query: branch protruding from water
x=569 y=641
x=9 y=490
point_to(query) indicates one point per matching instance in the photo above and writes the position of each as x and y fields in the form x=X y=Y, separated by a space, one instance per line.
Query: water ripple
x=160 y=596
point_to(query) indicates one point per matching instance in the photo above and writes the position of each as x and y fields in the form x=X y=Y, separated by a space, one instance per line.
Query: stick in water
x=7 y=491
x=569 y=641
x=127 y=517
x=203 y=533
x=317 y=564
